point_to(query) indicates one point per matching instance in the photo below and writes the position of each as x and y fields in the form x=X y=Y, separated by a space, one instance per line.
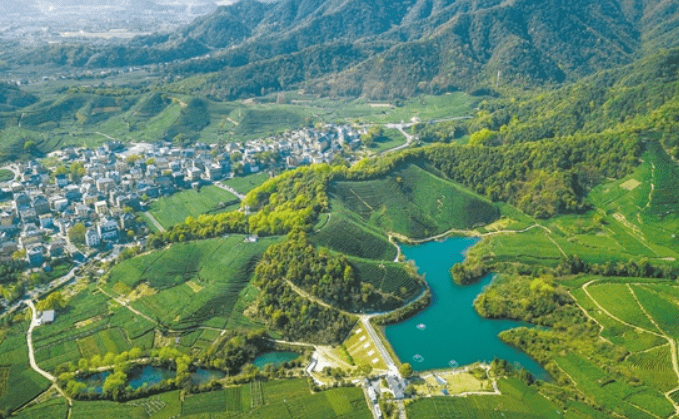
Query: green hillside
x=413 y=202
x=218 y=272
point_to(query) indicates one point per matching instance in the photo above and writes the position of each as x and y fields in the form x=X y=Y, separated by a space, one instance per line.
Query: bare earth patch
x=630 y=185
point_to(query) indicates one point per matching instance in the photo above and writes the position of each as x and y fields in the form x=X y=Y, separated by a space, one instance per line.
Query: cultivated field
x=175 y=208
x=219 y=271
x=413 y=202
x=517 y=401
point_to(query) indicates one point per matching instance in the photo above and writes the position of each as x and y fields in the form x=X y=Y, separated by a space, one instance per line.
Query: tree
x=53 y=301
x=76 y=234
x=406 y=370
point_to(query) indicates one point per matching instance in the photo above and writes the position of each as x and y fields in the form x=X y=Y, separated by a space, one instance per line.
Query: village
x=78 y=201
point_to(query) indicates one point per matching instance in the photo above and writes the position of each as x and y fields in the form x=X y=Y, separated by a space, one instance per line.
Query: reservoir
x=449 y=332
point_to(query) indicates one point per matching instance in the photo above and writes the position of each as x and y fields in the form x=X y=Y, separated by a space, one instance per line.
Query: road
x=230 y=189
x=29 y=340
x=31 y=352
x=154 y=221
x=409 y=138
x=12 y=168
x=365 y=320
x=40 y=292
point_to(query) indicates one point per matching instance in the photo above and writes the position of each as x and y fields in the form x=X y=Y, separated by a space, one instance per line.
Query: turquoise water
x=202 y=376
x=450 y=332
x=275 y=358
x=150 y=376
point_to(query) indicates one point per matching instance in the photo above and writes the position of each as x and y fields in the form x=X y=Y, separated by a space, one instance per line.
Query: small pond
x=276 y=358
x=150 y=376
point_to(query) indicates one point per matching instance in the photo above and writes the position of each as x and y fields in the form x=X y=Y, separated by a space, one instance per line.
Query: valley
x=339 y=209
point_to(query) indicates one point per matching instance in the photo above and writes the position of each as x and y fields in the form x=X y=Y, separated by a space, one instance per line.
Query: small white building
x=92 y=238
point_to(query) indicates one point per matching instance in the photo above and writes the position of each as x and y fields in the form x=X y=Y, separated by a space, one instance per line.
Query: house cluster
x=111 y=182
x=307 y=145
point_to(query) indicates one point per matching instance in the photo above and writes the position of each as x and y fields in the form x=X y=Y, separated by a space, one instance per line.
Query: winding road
x=31 y=352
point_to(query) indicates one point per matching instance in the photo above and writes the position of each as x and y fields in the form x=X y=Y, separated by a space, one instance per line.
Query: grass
x=456 y=383
x=517 y=401
x=414 y=203
x=244 y=184
x=390 y=139
x=618 y=333
x=618 y=300
x=6 y=175
x=19 y=383
x=222 y=267
x=362 y=349
x=51 y=409
x=176 y=208
x=212 y=402
x=606 y=391
x=661 y=308
x=101 y=343
x=655 y=368
x=107 y=410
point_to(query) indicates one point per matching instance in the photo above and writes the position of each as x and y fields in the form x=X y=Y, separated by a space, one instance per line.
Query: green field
x=612 y=394
x=219 y=271
x=517 y=401
x=286 y=399
x=391 y=138
x=244 y=184
x=345 y=232
x=633 y=308
x=19 y=383
x=175 y=208
x=52 y=409
x=107 y=341
x=388 y=277
x=413 y=202
x=6 y=175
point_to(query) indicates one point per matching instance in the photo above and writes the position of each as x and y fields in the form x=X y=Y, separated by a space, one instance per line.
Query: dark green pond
x=450 y=332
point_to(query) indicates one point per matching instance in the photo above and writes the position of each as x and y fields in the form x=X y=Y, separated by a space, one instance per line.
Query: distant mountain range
x=34 y=7
x=393 y=48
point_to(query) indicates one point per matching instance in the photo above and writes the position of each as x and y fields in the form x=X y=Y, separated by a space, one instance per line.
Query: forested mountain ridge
x=411 y=46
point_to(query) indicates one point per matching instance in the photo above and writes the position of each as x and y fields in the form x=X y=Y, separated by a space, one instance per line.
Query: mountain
x=11 y=97
x=399 y=48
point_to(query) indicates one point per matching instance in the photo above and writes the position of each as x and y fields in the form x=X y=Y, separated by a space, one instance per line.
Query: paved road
x=29 y=340
x=365 y=320
x=31 y=353
x=38 y=293
x=409 y=138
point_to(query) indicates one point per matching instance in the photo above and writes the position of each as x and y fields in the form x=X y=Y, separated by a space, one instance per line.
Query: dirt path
x=154 y=221
x=669 y=339
x=650 y=193
x=123 y=303
x=230 y=189
x=316 y=300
